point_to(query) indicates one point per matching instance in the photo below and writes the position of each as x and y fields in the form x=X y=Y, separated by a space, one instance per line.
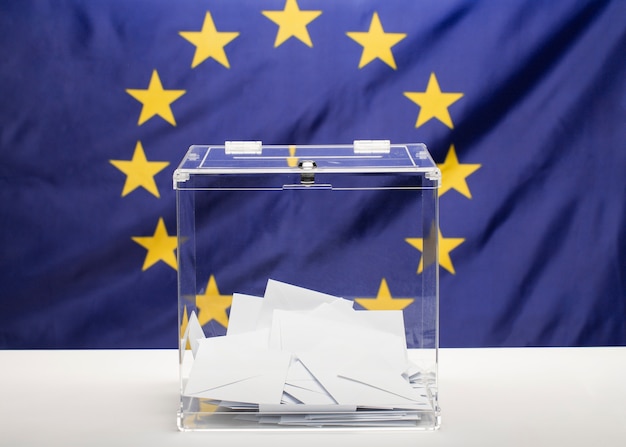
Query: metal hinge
x=434 y=175
x=372 y=146
x=243 y=147
x=180 y=177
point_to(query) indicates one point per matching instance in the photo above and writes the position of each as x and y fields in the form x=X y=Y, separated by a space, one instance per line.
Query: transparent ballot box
x=308 y=287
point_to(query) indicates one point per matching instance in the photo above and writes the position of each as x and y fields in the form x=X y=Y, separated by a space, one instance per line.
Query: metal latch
x=307 y=177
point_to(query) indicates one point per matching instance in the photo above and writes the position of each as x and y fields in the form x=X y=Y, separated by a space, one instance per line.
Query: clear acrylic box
x=308 y=287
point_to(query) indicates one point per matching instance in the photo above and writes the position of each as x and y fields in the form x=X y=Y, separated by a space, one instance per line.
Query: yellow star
x=183 y=328
x=212 y=305
x=139 y=171
x=446 y=245
x=383 y=300
x=292 y=22
x=292 y=160
x=207 y=406
x=209 y=42
x=454 y=174
x=156 y=100
x=433 y=103
x=196 y=418
x=376 y=43
x=160 y=246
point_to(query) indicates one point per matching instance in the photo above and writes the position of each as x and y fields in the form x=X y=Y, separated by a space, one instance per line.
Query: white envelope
x=334 y=364
x=391 y=321
x=280 y=295
x=193 y=333
x=299 y=332
x=288 y=399
x=297 y=408
x=244 y=313
x=238 y=369
x=385 y=381
x=298 y=347
x=301 y=385
x=309 y=397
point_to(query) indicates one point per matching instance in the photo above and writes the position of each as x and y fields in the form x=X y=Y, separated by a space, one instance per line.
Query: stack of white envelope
x=301 y=357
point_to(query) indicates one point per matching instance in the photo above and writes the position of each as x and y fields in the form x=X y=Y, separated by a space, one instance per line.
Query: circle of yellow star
x=376 y=43
x=160 y=246
x=433 y=103
x=446 y=245
x=209 y=42
x=212 y=305
x=156 y=100
x=292 y=22
x=454 y=174
x=383 y=300
x=139 y=171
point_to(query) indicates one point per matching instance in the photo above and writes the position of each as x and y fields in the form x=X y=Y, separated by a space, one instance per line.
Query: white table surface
x=489 y=397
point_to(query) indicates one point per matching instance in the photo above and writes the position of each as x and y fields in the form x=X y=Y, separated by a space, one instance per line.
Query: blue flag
x=521 y=104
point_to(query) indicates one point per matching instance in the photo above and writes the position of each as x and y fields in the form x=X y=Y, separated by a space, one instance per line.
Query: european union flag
x=521 y=104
